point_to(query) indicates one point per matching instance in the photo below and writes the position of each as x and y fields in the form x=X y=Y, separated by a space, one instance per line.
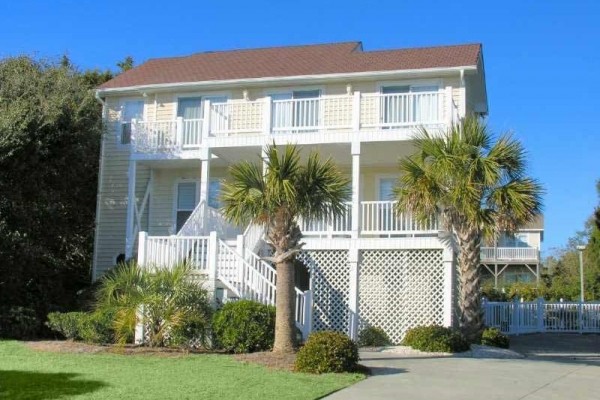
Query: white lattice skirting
x=331 y=287
x=400 y=289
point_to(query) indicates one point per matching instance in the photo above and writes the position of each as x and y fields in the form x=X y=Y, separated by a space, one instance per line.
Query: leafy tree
x=478 y=186
x=287 y=191
x=126 y=64
x=50 y=130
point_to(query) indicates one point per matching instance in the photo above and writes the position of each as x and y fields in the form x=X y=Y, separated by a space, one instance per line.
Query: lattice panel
x=331 y=286
x=400 y=289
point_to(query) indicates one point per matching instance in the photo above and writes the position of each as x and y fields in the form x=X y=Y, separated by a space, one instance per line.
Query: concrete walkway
x=552 y=370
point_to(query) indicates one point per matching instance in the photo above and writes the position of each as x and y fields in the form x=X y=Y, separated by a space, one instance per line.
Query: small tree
x=287 y=191
x=478 y=187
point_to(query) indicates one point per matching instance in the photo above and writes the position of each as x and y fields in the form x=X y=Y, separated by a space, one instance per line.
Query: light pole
x=581 y=249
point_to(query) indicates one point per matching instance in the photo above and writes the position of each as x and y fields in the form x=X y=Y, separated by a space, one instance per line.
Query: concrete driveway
x=555 y=367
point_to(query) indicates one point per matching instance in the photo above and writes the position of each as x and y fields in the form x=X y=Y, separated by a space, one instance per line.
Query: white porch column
x=130 y=221
x=204 y=174
x=355 y=189
x=353 y=258
x=448 y=262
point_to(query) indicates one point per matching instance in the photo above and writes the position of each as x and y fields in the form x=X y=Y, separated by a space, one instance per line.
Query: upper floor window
x=130 y=109
x=407 y=104
x=296 y=111
x=517 y=240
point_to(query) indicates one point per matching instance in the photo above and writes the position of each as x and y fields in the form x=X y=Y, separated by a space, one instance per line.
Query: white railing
x=540 y=316
x=509 y=254
x=258 y=279
x=327 y=227
x=237 y=117
x=205 y=219
x=172 y=250
x=402 y=109
x=312 y=114
x=253 y=236
x=380 y=218
x=166 y=136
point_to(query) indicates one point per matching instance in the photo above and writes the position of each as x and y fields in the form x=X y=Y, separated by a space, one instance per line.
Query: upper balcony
x=323 y=119
x=510 y=255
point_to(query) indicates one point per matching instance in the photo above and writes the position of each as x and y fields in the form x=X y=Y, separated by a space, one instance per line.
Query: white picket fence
x=539 y=316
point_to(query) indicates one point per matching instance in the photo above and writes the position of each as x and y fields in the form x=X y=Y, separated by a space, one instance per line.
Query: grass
x=37 y=375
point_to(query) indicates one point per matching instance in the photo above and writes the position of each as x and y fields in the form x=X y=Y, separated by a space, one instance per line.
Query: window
x=403 y=105
x=518 y=240
x=214 y=191
x=297 y=109
x=186 y=202
x=386 y=188
x=131 y=109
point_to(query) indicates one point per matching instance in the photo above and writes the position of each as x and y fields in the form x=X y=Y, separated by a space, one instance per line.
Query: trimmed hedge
x=436 y=339
x=244 y=326
x=326 y=352
x=96 y=327
x=373 y=336
x=493 y=337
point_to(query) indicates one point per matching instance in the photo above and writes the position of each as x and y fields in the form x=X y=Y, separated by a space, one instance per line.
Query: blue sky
x=542 y=60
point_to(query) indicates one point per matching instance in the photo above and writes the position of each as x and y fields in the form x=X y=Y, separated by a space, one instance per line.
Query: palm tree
x=477 y=185
x=286 y=191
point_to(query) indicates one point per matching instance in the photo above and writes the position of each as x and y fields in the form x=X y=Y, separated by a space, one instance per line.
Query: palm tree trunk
x=285 y=332
x=471 y=314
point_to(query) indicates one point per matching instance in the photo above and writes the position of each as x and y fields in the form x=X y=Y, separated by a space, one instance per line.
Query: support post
x=449 y=106
x=142 y=246
x=355 y=189
x=353 y=258
x=448 y=263
x=129 y=239
x=213 y=256
x=179 y=132
x=206 y=120
x=240 y=248
x=356 y=111
x=204 y=176
x=267 y=118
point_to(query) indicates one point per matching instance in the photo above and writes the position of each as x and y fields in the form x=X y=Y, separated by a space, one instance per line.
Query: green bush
x=326 y=352
x=244 y=326
x=493 y=337
x=18 y=323
x=373 y=336
x=435 y=338
x=96 y=327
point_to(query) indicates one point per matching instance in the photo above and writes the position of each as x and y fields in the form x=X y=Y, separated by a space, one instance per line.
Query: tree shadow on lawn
x=43 y=386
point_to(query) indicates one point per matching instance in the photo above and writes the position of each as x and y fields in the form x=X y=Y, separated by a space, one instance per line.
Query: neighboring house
x=514 y=258
x=176 y=124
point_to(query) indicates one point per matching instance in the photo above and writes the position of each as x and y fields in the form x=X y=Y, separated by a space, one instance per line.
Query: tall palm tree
x=477 y=184
x=286 y=191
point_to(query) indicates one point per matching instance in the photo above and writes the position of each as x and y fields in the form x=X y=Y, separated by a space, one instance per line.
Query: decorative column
x=448 y=263
x=353 y=304
x=130 y=222
x=355 y=189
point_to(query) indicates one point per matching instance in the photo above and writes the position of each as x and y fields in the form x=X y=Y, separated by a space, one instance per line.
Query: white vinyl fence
x=518 y=317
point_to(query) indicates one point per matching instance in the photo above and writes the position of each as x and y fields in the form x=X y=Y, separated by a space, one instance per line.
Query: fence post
x=241 y=250
x=541 y=327
x=516 y=316
x=213 y=254
x=580 y=316
x=142 y=245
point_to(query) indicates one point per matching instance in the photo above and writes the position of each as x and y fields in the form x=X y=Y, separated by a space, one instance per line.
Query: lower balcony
x=510 y=254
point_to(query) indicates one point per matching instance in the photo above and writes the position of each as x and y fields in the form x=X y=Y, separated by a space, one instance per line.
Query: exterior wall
x=112 y=195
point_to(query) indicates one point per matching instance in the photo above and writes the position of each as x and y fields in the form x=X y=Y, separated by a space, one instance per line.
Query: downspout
x=98 y=197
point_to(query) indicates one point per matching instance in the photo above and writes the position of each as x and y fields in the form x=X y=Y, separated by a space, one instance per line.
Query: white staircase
x=225 y=258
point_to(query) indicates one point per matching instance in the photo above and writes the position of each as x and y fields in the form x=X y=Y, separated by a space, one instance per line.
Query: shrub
x=175 y=309
x=493 y=337
x=435 y=338
x=373 y=336
x=18 y=323
x=67 y=324
x=96 y=327
x=326 y=352
x=244 y=326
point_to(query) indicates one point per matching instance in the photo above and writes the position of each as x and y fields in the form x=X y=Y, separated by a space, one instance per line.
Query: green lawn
x=36 y=375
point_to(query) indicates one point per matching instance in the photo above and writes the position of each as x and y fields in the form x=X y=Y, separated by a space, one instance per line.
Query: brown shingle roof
x=292 y=61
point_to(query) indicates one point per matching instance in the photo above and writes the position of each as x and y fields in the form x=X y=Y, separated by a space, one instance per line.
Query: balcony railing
x=331 y=113
x=509 y=254
x=329 y=227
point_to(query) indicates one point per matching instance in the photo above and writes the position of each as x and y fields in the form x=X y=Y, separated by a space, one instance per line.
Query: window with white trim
x=185 y=203
x=130 y=110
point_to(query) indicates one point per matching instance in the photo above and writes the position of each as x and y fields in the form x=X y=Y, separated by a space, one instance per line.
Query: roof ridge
x=357 y=44
x=444 y=46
